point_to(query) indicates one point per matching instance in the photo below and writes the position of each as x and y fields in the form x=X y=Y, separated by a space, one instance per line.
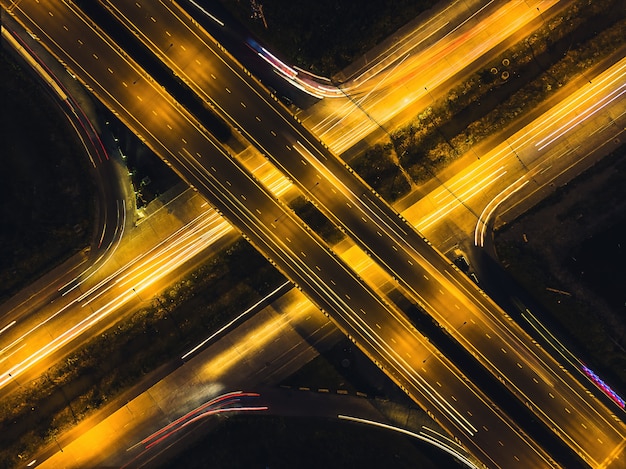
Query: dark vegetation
x=149 y=174
x=580 y=252
x=324 y=36
x=494 y=98
x=111 y=362
x=194 y=307
x=600 y=261
x=47 y=194
x=288 y=442
x=316 y=220
x=380 y=168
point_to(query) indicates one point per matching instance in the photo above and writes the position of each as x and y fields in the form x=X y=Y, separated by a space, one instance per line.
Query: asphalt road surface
x=174 y=135
x=447 y=294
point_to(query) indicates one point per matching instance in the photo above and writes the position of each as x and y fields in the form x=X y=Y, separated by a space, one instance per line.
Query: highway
x=111 y=207
x=30 y=345
x=449 y=45
x=590 y=117
x=125 y=88
x=48 y=319
x=479 y=325
x=25 y=309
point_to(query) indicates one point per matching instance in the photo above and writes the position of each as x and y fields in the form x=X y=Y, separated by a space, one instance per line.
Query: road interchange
x=498 y=343
x=121 y=70
x=280 y=214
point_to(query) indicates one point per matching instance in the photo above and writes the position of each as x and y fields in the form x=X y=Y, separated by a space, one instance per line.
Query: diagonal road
x=479 y=325
x=175 y=135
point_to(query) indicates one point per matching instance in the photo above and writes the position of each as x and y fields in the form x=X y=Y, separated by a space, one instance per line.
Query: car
x=462 y=263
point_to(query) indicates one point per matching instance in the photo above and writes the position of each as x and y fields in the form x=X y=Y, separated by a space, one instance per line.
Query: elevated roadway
x=181 y=141
x=478 y=324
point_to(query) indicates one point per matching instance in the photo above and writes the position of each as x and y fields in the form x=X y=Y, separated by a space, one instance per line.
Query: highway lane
x=39 y=326
x=592 y=114
x=110 y=212
x=111 y=208
x=30 y=347
x=410 y=75
x=504 y=348
x=431 y=26
x=254 y=210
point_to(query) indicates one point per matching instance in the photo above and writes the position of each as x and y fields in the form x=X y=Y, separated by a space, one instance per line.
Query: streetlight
x=58 y=444
x=429 y=94
x=14 y=379
x=137 y=294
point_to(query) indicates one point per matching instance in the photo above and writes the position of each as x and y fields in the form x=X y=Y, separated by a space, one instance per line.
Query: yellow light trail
x=126 y=283
x=588 y=101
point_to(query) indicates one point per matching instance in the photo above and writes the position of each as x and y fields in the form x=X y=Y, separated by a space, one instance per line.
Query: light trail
x=34 y=328
x=420 y=436
x=465 y=196
x=62 y=339
x=103 y=258
x=605 y=388
x=568 y=355
x=490 y=208
x=168 y=254
x=214 y=18
x=589 y=91
x=180 y=234
x=503 y=154
x=36 y=65
x=229 y=324
x=88 y=129
x=308 y=85
x=360 y=101
x=11 y=324
x=442 y=59
x=12 y=353
x=229 y=402
x=96 y=144
x=576 y=120
x=372 y=336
